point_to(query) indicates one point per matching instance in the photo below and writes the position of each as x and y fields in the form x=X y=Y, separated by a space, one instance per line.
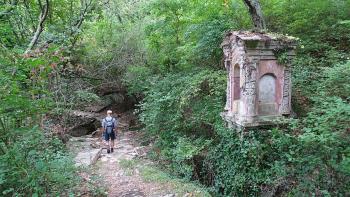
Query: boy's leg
x=107 y=142
x=112 y=140
x=112 y=145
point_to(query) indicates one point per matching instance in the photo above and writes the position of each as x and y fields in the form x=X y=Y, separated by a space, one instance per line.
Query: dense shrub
x=184 y=101
x=181 y=109
x=307 y=157
x=168 y=52
x=185 y=33
x=34 y=164
x=336 y=81
x=249 y=165
x=310 y=157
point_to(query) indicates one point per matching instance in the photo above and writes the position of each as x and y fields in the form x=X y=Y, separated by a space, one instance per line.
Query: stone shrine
x=259 y=78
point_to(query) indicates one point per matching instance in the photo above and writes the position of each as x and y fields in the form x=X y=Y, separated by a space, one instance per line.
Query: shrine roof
x=257 y=36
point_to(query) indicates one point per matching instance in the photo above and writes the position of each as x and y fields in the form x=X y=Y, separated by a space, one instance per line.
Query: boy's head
x=109 y=112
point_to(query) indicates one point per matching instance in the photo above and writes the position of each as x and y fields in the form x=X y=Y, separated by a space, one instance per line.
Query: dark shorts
x=109 y=136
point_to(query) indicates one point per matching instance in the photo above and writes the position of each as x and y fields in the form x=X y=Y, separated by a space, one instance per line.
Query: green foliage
x=181 y=109
x=184 y=153
x=336 y=81
x=86 y=98
x=248 y=166
x=168 y=53
x=184 y=102
x=180 y=187
x=138 y=79
x=308 y=157
x=19 y=20
x=32 y=161
x=29 y=74
x=34 y=164
x=304 y=18
x=323 y=144
x=113 y=39
x=185 y=33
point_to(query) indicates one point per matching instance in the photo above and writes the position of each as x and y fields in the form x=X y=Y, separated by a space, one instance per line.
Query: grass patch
x=179 y=186
x=152 y=174
x=128 y=166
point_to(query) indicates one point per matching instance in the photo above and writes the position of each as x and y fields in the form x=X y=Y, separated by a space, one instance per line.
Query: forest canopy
x=167 y=55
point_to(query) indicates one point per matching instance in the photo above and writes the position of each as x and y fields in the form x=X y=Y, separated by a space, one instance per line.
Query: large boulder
x=115 y=98
x=121 y=102
x=83 y=123
x=110 y=88
x=100 y=106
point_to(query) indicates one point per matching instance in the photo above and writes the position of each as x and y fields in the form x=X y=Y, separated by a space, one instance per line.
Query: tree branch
x=40 y=27
x=79 y=22
x=9 y=9
x=30 y=14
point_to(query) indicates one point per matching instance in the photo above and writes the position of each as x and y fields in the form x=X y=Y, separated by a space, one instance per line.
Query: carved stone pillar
x=249 y=88
x=227 y=62
x=285 y=105
x=228 y=88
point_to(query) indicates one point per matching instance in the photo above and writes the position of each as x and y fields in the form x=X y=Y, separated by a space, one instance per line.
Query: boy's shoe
x=108 y=151
x=112 y=150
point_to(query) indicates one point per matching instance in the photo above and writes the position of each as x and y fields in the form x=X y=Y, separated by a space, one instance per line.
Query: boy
x=109 y=124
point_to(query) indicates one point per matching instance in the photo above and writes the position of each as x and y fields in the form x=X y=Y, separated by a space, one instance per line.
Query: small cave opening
x=85 y=129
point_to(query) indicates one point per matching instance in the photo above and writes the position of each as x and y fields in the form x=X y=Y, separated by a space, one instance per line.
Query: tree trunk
x=40 y=27
x=256 y=13
x=76 y=27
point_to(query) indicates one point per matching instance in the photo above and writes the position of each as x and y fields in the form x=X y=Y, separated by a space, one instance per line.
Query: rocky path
x=126 y=172
x=122 y=171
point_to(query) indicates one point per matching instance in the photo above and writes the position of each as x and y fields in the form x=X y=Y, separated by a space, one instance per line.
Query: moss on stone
x=252 y=44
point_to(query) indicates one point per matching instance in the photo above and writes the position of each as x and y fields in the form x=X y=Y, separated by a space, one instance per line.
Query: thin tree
x=256 y=13
x=87 y=6
x=40 y=27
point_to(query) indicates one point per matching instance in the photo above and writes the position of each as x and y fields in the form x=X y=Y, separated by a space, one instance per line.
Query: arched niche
x=267 y=94
x=236 y=82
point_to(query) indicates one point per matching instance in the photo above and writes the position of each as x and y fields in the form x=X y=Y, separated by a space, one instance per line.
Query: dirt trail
x=127 y=172
x=121 y=174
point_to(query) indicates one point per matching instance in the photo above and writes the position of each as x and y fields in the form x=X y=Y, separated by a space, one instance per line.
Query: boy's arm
x=115 y=121
x=103 y=123
x=115 y=124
